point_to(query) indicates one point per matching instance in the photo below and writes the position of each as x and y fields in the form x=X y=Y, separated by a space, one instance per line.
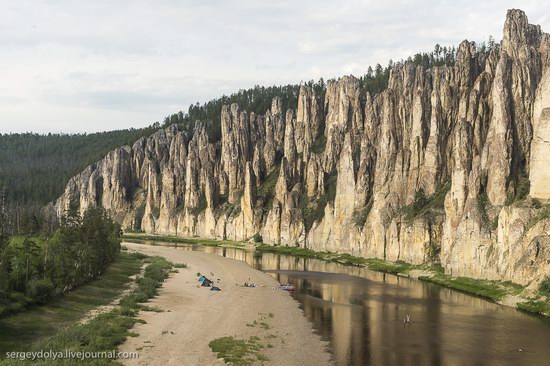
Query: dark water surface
x=360 y=312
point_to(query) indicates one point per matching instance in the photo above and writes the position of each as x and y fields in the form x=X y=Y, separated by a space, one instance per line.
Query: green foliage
x=521 y=191
x=360 y=216
x=319 y=145
x=540 y=303
x=201 y=206
x=342 y=258
x=139 y=213
x=237 y=351
x=229 y=209
x=539 y=307
x=313 y=209
x=266 y=190
x=330 y=187
x=432 y=248
x=106 y=331
x=542 y=214
x=39 y=322
x=152 y=239
x=376 y=80
x=347 y=259
x=258 y=238
x=387 y=267
x=296 y=251
x=155 y=211
x=40 y=290
x=257 y=100
x=494 y=223
x=157 y=270
x=35 y=168
x=492 y=290
x=154 y=275
x=482 y=203
x=545 y=285
x=43 y=267
x=102 y=334
x=427 y=206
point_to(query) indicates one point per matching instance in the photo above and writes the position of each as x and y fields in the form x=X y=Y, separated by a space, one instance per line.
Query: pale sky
x=86 y=66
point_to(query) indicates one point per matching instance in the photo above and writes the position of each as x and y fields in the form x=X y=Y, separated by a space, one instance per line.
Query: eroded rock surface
x=427 y=170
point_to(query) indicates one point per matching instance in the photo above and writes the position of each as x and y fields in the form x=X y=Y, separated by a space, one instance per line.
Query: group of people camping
x=206 y=282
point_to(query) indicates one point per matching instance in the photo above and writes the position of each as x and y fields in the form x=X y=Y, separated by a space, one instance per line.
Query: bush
x=155 y=211
x=157 y=271
x=427 y=206
x=319 y=145
x=542 y=214
x=201 y=205
x=330 y=187
x=360 y=216
x=545 y=285
x=40 y=290
x=18 y=301
x=148 y=286
x=313 y=210
x=258 y=238
x=522 y=188
x=266 y=190
x=138 y=255
x=482 y=203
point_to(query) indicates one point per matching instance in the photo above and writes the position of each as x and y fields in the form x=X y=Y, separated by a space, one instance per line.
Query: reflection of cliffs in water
x=361 y=313
x=436 y=167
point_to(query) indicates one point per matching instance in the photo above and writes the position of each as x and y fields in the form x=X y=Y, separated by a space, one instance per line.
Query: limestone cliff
x=435 y=168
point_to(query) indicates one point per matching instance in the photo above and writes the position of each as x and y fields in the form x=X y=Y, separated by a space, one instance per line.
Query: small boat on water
x=288 y=287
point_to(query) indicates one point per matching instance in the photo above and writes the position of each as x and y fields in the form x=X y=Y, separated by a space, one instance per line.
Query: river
x=361 y=313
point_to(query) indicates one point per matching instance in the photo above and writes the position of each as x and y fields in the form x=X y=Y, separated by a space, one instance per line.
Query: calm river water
x=361 y=312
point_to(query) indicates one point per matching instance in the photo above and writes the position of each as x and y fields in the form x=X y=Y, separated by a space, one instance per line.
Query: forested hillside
x=34 y=168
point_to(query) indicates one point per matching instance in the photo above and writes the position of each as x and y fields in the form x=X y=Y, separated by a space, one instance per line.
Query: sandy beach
x=192 y=317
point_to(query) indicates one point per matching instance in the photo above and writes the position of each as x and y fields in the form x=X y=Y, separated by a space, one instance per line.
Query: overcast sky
x=85 y=66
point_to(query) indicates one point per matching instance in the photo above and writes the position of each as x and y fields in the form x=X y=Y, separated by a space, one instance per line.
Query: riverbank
x=20 y=330
x=143 y=238
x=90 y=337
x=238 y=323
x=502 y=292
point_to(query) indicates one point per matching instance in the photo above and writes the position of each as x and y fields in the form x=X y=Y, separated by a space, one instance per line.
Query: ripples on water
x=361 y=312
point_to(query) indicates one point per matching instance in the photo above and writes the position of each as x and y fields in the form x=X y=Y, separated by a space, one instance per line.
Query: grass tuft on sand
x=238 y=352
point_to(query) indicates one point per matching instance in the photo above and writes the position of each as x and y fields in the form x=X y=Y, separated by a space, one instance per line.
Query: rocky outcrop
x=435 y=168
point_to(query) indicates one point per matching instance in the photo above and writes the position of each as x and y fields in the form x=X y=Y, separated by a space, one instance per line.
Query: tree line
x=376 y=80
x=34 y=168
x=258 y=99
x=35 y=268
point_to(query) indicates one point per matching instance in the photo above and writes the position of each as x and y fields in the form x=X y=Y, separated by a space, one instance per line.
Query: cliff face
x=436 y=168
